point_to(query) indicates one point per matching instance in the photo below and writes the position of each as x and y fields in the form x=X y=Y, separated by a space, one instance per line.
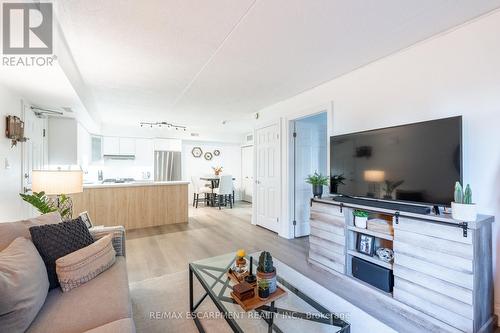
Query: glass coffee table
x=295 y=312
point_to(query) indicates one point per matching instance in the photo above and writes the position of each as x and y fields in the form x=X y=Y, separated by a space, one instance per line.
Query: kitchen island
x=134 y=205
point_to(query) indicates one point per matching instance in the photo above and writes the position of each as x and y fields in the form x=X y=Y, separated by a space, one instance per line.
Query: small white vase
x=464 y=212
x=360 y=222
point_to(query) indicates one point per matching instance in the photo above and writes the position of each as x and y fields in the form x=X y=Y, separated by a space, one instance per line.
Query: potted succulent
x=462 y=208
x=317 y=181
x=263 y=289
x=360 y=218
x=335 y=181
x=266 y=271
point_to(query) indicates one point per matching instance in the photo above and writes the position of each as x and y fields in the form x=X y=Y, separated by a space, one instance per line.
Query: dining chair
x=224 y=192
x=199 y=188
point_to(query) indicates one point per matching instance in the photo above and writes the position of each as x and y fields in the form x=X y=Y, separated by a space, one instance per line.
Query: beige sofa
x=100 y=305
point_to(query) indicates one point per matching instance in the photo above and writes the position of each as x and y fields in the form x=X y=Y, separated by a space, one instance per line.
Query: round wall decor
x=216 y=152
x=197 y=152
x=208 y=156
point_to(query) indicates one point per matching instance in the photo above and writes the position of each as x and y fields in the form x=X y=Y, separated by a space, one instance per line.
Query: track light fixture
x=163 y=124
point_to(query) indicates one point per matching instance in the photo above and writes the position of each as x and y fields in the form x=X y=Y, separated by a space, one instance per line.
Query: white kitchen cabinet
x=144 y=155
x=127 y=146
x=111 y=145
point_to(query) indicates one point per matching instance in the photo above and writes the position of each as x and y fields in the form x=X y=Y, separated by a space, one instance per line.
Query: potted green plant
x=317 y=180
x=360 y=218
x=266 y=271
x=46 y=205
x=263 y=289
x=462 y=208
x=335 y=181
x=390 y=186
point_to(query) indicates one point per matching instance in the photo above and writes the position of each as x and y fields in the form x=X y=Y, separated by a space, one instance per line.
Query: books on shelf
x=380 y=225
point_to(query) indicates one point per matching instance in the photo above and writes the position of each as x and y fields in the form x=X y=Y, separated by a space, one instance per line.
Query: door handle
x=26 y=190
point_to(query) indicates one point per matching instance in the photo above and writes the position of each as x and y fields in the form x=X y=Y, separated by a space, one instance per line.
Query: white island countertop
x=135 y=184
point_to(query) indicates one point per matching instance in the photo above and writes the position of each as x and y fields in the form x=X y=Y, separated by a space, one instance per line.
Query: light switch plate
x=7 y=164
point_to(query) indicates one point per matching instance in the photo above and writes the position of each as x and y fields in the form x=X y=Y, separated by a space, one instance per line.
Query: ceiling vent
x=195 y=134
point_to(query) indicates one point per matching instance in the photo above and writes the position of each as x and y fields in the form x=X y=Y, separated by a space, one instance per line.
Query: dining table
x=214 y=183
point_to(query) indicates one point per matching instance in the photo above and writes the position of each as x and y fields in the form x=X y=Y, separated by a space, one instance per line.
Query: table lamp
x=373 y=177
x=58 y=183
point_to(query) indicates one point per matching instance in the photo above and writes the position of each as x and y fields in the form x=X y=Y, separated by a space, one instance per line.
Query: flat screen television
x=417 y=163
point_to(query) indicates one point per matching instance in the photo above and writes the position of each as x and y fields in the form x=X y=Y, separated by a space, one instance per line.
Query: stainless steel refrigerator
x=168 y=165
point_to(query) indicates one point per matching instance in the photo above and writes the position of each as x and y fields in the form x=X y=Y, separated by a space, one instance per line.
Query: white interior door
x=268 y=190
x=35 y=154
x=310 y=156
x=247 y=173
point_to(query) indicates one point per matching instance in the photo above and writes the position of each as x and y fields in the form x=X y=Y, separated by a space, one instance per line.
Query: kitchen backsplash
x=118 y=169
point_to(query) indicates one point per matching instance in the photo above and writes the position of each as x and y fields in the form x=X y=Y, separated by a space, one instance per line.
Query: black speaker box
x=379 y=277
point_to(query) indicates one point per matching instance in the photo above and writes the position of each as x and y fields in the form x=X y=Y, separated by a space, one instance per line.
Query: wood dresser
x=442 y=268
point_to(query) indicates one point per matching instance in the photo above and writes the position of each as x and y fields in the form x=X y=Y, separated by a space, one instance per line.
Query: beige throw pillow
x=23 y=285
x=83 y=265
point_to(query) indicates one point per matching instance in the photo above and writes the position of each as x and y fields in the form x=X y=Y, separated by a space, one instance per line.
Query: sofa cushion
x=11 y=230
x=96 y=303
x=119 y=326
x=81 y=266
x=54 y=241
x=23 y=285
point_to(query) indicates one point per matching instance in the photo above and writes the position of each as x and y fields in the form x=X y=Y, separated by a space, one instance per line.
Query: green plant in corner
x=46 y=205
x=360 y=213
x=317 y=179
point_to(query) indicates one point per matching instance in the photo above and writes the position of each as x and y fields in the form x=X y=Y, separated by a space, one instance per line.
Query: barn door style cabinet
x=441 y=267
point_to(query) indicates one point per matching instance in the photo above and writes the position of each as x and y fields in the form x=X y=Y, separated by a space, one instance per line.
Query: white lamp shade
x=374 y=176
x=57 y=182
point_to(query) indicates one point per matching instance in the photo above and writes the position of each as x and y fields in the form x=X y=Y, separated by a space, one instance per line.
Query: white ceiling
x=199 y=62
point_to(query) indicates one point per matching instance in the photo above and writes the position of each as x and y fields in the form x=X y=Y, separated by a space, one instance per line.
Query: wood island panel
x=134 y=207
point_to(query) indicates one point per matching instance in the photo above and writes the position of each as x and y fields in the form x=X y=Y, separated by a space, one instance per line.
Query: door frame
x=26 y=107
x=288 y=158
x=279 y=123
x=241 y=171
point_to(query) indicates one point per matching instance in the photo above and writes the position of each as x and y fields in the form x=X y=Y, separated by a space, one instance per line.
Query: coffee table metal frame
x=267 y=312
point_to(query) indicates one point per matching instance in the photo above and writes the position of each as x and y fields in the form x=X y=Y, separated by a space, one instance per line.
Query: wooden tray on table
x=255 y=302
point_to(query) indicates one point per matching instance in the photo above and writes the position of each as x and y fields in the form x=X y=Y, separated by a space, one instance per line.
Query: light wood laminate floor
x=156 y=251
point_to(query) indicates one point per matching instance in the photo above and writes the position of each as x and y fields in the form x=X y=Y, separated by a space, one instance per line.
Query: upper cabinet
x=127 y=146
x=110 y=145
x=118 y=146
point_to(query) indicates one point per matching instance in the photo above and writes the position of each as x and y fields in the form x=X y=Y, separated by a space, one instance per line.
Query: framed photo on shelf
x=86 y=219
x=365 y=244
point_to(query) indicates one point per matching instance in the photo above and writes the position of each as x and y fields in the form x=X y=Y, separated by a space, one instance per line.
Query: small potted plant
x=389 y=188
x=317 y=181
x=266 y=271
x=360 y=218
x=217 y=170
x=462 y=208
x=335 y=181
x=263 y=289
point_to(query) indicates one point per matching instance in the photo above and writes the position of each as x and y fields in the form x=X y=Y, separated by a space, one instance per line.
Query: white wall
x=11 y=206
x=229 y=159
x=62 y=141
x=457 y=73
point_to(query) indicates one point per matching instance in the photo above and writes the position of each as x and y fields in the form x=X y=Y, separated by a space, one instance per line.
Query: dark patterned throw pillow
x=54 y=241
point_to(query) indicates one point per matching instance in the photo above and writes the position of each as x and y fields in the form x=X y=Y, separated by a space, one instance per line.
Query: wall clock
x=208 y=156
x=197 y=152
x=216 y=152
